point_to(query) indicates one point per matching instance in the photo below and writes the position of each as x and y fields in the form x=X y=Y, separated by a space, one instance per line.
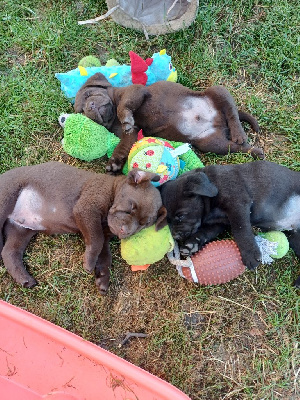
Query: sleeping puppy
x=56 y=198
x=204 y=202
x=208 y=120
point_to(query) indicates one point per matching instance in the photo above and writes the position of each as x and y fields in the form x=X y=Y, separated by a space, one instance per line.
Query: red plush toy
x=218 y=262
x=139 y=68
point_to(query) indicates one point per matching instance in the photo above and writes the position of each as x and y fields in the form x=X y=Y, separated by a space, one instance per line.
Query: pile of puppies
x=198 y=206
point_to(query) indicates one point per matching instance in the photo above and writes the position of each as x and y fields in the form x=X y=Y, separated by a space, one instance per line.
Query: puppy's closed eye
x=86 y=95
x=180 y=217
x=133 y=208
x=130 y=208
x=144 y=221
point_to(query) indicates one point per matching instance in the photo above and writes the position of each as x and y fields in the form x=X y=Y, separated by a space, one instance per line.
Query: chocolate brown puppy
x=208 y=120
x=203 y=202
x=56 y=198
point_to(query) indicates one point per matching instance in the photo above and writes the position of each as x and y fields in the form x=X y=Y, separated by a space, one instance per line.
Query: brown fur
x=57 y=198
x=208 y=120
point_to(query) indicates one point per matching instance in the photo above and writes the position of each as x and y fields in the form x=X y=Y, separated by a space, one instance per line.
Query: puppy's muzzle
x=181 y=234
x=123 y=232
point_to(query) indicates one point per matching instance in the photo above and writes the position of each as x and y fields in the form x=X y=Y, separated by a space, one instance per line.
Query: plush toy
x=146 y=247
x=85 y=139
x=93 y=61
x=156 y=68
x=158 y=156
x=112 y=62
x=89 y=61
x=220 y=261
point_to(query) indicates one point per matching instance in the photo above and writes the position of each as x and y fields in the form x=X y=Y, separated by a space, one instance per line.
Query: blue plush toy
x=156 y=68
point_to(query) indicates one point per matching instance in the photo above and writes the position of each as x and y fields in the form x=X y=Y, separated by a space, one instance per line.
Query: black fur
x=204 y=202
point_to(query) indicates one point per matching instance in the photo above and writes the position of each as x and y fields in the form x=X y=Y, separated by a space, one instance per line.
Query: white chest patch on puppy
x=196 y=118
x=27 y=210
x=289 y=218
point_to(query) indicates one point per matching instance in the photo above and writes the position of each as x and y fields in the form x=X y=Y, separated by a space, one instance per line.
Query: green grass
x=235 y=341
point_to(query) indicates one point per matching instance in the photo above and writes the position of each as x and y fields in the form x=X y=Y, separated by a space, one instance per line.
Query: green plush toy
x=89 y=61
x=93 y=61
x=112 y=62
x=85 y=139
x=146 y=247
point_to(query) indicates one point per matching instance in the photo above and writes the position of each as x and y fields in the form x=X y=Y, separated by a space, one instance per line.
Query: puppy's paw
x=193 y=244
x=29 y=283
x=128 y=129
x=114 y=165
x=189 y=248
x=297 y=283
x=251 y=260
x=256 y=152
x=102 y=283
x=88 y=264
x=128 y=124
x=238 y=138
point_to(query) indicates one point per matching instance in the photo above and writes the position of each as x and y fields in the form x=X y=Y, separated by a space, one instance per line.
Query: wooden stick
x=132 y=334
x=94 y=20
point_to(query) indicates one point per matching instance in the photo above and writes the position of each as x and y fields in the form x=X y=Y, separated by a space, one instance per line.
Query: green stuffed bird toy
x=85 y=139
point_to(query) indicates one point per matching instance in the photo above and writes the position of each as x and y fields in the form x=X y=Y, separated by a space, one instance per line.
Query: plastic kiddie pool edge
x=145 y=379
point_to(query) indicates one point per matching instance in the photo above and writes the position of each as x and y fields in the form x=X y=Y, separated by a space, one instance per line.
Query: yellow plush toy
x=146 y=247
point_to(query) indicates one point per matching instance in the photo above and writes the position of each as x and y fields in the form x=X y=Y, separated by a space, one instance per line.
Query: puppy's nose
x=91 y=105
x=123 y=230
x=177 y=236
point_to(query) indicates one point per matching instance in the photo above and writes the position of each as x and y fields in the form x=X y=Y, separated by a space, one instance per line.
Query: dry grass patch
x=235 y=341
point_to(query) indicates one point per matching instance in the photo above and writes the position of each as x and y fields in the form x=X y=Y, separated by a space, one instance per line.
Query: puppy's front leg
x=120 y=154
x=89 y=222
x=103 y=267
x=243 y=235
x=128 y=102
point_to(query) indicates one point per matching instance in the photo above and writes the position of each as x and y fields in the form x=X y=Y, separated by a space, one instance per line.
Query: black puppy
x=203 y=202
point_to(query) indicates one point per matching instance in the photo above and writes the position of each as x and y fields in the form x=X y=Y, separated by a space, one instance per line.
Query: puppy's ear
x=200 y=185
x=137 y=177
x=131 y=208
x=161 y=218
x=79 y=103
x=97 y=80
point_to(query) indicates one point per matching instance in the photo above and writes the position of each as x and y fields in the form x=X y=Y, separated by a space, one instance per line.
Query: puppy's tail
x=245 y=117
